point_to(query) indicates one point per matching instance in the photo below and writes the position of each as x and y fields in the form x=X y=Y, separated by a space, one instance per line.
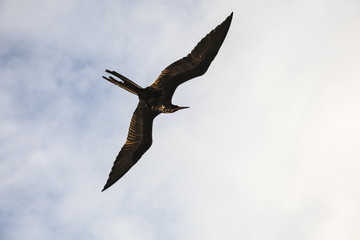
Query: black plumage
x=156 y=98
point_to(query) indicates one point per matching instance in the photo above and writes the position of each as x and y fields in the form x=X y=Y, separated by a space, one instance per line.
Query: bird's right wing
x=138 y=142
x=195 y=63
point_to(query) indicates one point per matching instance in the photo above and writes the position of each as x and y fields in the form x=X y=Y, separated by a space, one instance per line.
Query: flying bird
x=156 y=98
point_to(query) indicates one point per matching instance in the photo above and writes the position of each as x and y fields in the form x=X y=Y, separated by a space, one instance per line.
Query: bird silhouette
x=156 y=98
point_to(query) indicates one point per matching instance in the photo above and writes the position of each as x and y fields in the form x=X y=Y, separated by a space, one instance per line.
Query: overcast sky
x=269 y=148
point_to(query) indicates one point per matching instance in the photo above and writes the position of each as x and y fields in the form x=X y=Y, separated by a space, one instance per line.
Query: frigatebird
x=156 y=98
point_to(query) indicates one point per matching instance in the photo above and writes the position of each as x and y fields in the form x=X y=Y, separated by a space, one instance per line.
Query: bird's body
x=156 y=98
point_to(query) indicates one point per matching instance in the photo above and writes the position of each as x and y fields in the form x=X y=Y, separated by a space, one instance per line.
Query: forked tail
x=126 y=83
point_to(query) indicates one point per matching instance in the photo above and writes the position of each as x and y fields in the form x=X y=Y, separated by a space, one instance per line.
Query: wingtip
x=231 y=15
x=108 y=184
x=105 y=187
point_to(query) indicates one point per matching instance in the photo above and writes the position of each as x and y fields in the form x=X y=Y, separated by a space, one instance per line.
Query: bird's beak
x=179 y=108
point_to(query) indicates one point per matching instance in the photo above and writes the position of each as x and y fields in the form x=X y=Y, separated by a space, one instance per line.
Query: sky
x=269 y=148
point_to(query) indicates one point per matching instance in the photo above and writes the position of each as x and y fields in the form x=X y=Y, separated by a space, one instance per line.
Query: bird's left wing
x=195 y=63
x=138 y=142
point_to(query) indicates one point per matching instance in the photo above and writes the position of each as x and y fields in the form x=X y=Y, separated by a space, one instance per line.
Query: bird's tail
x=126 y=83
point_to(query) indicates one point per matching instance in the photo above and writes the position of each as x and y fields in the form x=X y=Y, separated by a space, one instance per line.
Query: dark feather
x=156 y=98
x=138 y=142
x=194 y=64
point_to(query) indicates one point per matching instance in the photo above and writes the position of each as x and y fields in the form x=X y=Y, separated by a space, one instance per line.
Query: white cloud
x=268 y=149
